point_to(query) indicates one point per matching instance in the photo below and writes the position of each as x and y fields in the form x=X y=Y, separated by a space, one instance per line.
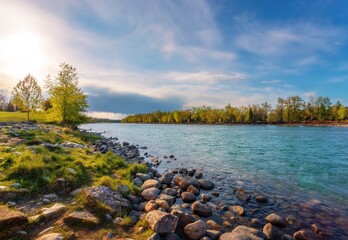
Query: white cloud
x=205 y=77
x=271 y=81
x=107 y=115
x=298 y=38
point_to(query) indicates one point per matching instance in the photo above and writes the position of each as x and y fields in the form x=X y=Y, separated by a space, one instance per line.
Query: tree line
x=66 y=103
x=292 y=109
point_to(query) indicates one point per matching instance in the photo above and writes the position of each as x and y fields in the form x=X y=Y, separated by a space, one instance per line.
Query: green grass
x=38 y=168
x=22 y=117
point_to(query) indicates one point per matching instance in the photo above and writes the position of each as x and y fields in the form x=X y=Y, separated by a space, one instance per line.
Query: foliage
x=27 y=94
x=288 y=110
x=38 y=168
x=68 y=101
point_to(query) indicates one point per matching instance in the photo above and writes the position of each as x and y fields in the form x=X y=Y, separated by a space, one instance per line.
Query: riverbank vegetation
x=39 y=160
x=66 y=104
x=288 y=110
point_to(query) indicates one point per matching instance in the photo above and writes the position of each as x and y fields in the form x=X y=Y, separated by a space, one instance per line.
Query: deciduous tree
x=68 y=101
x=27 y=94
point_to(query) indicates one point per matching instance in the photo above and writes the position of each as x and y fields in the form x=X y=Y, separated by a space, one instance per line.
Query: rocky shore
x=180 y=203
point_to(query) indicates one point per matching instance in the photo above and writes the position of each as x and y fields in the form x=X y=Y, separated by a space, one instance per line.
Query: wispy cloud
x=271 y=81
x=340 y=79
x=205 y=77
x=288 y=39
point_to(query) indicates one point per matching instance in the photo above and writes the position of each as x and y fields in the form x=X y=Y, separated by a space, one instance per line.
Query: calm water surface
x=301 y=163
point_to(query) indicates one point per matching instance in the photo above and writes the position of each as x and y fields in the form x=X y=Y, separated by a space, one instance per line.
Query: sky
x=141 y=56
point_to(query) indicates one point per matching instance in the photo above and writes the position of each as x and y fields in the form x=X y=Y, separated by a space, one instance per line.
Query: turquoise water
x=305 y=163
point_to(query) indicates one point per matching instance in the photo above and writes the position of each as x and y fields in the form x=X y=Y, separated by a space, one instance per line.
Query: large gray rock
x=201 y=209
x=206 y=184
x=196 y=230
x=188 y=197
x=170 y=191
x=244 y=233
x=112 y=201
x=81 y=218
x=49 y=213
x=150 y=193
x=184 y=218
x=161 y=222
x=167 y=178
x=276 y=220
x=184 y=181
x=169 y=199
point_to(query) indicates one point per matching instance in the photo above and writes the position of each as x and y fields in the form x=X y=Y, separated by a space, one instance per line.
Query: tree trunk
x=28 y=115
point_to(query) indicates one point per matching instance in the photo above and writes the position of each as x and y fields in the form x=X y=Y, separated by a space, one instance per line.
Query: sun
x=21 y=53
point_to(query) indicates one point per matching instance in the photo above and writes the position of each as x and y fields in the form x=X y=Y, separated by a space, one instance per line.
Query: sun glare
x=21 y=53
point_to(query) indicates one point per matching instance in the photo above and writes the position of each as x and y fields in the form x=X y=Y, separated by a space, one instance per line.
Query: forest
x=292 y=109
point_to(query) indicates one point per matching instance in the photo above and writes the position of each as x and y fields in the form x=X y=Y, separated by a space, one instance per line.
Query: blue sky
x=139 y=56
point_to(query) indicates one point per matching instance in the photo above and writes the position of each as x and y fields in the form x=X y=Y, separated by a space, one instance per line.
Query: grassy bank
x=22 y=117
x=36 y=160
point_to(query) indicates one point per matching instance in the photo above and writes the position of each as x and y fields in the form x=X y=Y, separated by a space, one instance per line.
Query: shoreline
x=188 y=202
x=243 y=198
x=306 y=124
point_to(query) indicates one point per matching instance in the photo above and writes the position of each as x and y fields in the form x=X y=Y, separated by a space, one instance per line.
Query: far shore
x=294 y=124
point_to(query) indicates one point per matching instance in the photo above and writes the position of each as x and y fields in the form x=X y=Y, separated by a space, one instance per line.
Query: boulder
x=188 y=197
x=53 y=211
x=109 y=200
x=162 y=204
x=169 y=191
x=184 y=218
x=143 y=176
x=201 y=209
x=193 y=190
x=272 y=232
x=196 y=230
x=81 y=218
x=206 y=184
x=276 y=220
x=184 y=181
x=11 y=218
x=169 y=199
x=150 y=206
x=150 y=193
x=51 y=236
x=239 y=210
x=161 y=222
x=151 y=183
x=243 y=233
x=137 y=182
x=167 y=178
